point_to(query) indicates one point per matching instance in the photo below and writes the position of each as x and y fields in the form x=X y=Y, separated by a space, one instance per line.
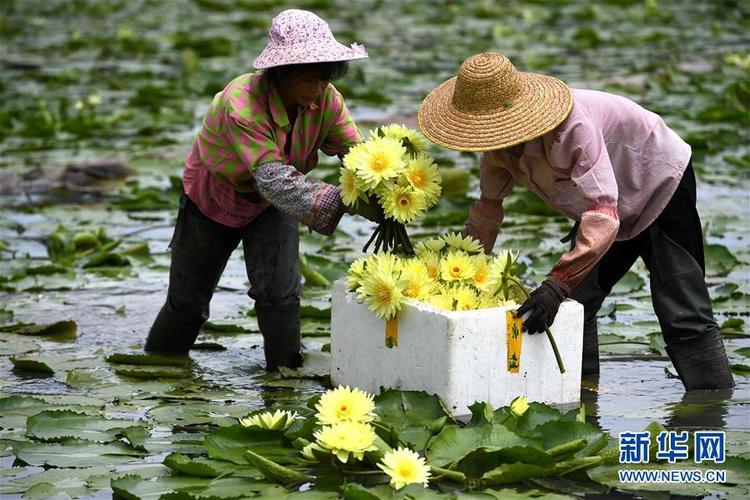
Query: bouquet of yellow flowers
x=450 y=272
x=393 y=170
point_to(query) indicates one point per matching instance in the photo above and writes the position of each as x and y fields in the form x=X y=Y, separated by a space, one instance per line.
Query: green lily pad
x=31 y=365
x=207 y=467
x=148 y=359
x=151 y=372
x=629 y=283
x=74 y=453
x=741 y=369
x=719 y=260
x=59 y=328
x=453 y=443
x=60 y=425
x=230 y=444
x=410 y=413
x=188 y=487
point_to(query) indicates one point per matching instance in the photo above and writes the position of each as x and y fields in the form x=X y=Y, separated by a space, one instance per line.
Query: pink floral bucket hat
x=300 y=37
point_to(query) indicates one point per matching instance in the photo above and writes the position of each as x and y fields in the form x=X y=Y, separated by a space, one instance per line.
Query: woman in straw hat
x=245 y=180
x=613 y=167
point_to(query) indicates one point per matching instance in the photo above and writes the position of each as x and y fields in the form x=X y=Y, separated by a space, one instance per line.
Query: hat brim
x=543 y=103
x=274 y=56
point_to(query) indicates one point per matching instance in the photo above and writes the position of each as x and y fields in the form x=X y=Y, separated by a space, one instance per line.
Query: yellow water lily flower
x=456 y=266
x=481 y=276
x=354 y=157
x=519 y=406
x=381 y=160
x=418 y=285
x=345 y=405
x=442 y=298
x=465 y=243
x=309 y=451
x=501 y=267
x=355 y=272
x=432 y=261
x=400 y=132
x=381 y=293
x=423 y=175
x=466 y=298
x=487 y=300
x=276 y=421
x=403 y=203
x=405 y=466
x=383 y=262
x=351 y=190
x=431 y=245
x=347 y=439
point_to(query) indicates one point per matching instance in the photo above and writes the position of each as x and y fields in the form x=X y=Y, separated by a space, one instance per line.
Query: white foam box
x=461 y=356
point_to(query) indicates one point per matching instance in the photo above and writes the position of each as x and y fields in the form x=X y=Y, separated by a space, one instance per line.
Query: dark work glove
x=370 y=211
x=543 y=304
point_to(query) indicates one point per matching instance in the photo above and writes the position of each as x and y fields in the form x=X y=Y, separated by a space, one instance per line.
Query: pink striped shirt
x=247 y=126
x=611 y=164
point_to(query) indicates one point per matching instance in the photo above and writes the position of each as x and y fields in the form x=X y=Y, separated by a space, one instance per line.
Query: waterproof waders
x=672 y=249
x=200 y=251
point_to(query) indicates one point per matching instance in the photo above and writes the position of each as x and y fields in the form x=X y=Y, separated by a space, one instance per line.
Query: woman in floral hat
x=610 y=165
x=245 y=180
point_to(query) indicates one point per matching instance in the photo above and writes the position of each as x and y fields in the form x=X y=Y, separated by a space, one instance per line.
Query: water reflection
x=698 y=410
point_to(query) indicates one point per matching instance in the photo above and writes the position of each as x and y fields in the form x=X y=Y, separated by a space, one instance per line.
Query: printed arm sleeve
x=486 y=214
x=592 y=172
x=312 y=202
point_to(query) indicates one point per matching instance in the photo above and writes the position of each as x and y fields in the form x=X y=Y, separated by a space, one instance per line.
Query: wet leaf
x=207 y=467
x=148 y=359
x=60 y=425
x=741 y=369
x=59 y=328
x=719 y=260
x=453 y=443
x=74 y=453
x=230 y=444
x=154 y=372
x=31 y=365
x=410 y=413
x=629 y=283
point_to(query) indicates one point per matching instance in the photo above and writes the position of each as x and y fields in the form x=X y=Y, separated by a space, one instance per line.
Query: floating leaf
x=61 y=328
x=629 y=283
x=230 y=444
x=148 y=359
x=719 y=260
x=207 y=467
x=59 y=425
x=741 y=369
x=453 y=443
x=410 y=413
x=33 y=365
x=179 y=487
x=73 y=453
x=154 y=372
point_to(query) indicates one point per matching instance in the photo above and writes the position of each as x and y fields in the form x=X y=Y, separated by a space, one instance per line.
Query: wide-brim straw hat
x=300 y=37
x=491 y=105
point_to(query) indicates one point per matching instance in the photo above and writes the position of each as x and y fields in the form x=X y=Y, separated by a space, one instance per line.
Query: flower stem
x=551 y=339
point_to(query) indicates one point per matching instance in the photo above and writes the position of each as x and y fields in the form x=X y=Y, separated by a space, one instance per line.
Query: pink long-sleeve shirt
x=246 y=132
x=611 y=164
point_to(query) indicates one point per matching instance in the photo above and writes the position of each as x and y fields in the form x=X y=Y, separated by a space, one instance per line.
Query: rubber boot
x=173 y=333
x=702 y=362
x=590 y=363
x=683 y=306
x=280 y=327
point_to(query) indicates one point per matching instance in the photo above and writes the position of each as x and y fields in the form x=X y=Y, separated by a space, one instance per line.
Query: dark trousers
x=672 y=249
x=200 y=251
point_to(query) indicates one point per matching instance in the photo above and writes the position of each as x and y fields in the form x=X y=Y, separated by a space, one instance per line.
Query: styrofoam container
x=459 y=356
